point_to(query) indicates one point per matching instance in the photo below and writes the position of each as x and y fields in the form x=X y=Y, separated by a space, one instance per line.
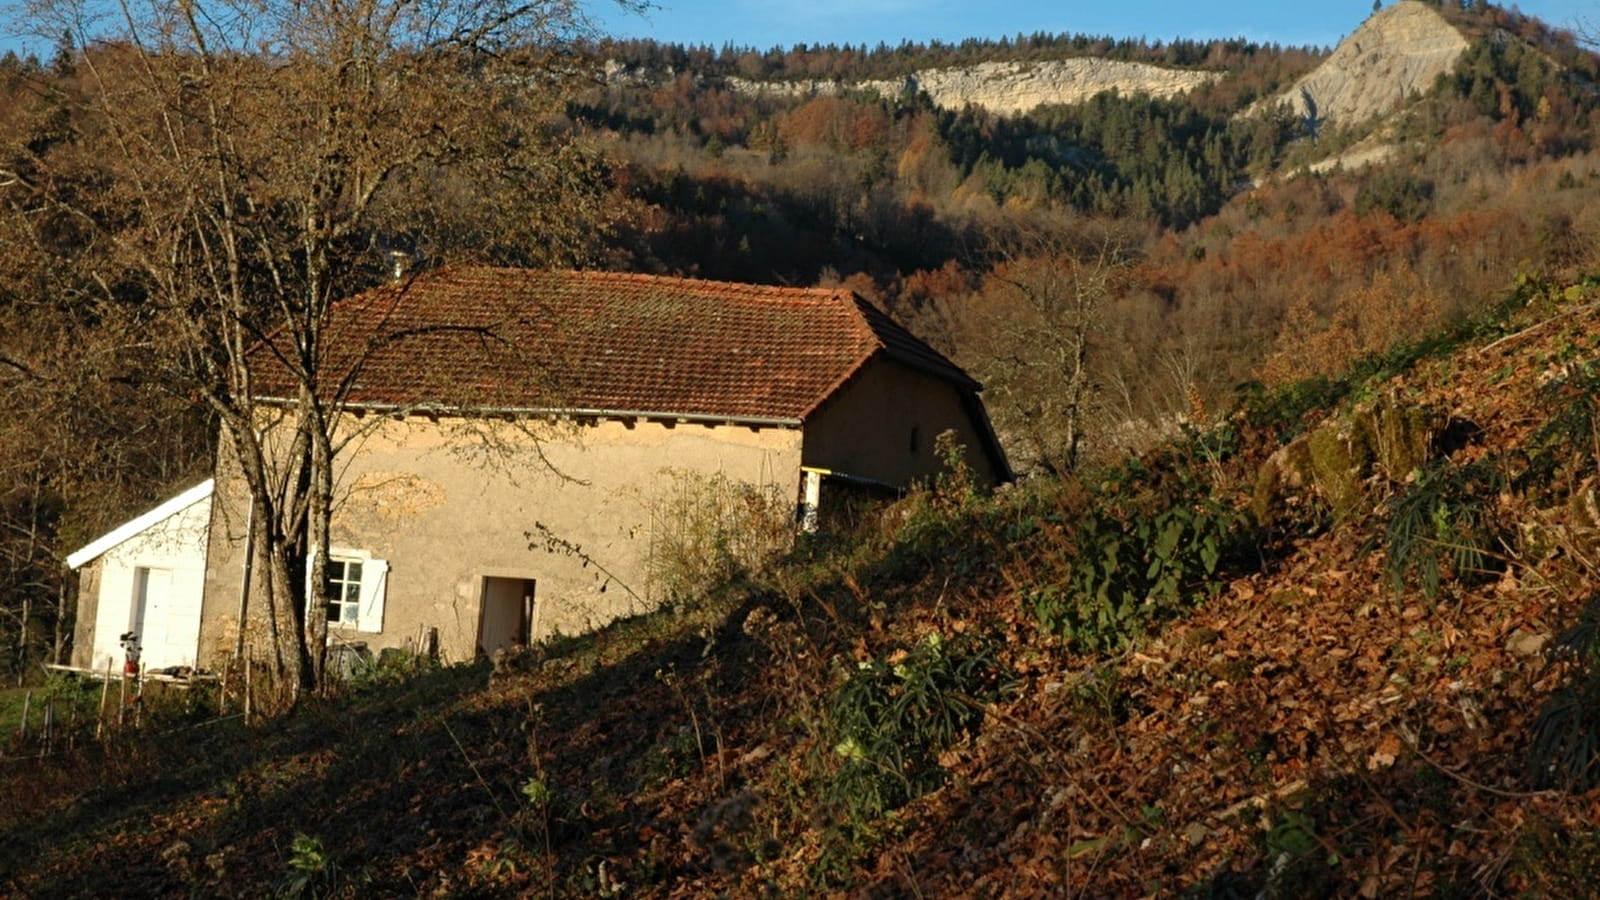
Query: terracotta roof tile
x=519 y=339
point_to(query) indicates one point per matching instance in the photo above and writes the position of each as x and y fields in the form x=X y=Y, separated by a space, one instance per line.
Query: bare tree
x=1042 y=314
x=231 y=168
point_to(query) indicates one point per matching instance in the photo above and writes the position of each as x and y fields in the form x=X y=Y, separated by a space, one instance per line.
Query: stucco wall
x=866 y=428
x=448 y=503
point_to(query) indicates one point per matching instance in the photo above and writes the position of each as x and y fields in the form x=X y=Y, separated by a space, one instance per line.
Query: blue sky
x=769 y=23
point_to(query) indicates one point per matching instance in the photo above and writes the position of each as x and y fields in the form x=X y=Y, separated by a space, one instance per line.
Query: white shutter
x=374 y=584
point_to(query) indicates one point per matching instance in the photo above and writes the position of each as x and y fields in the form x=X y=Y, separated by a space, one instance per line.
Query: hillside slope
x=1024 y=695
x=1395 y=55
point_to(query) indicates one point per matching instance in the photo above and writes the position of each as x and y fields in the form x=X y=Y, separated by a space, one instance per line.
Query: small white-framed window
x=353 y=589
x=341 y=591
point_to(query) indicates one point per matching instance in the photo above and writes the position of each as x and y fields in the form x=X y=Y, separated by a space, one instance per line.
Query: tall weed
x=711 y=529
x=1568 y=442
x=888 y=723
x=1444 y=524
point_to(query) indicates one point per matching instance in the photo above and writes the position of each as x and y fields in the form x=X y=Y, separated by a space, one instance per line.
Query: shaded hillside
x=1336 y=643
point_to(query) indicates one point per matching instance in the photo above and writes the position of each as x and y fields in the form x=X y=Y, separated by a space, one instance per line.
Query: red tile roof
x=489 y=338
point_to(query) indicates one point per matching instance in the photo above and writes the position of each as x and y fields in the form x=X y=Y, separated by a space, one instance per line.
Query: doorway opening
x=505 y=615
x=152 y=594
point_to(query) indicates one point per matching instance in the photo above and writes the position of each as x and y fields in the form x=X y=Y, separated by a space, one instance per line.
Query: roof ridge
x=720 y=285
x=858 y=307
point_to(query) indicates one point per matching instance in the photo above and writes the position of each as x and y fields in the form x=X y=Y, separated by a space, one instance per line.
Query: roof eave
x=570 y=412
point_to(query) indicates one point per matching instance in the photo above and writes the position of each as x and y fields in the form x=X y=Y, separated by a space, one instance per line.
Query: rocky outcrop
x=1388 y=436
x=1395 y=54
x=1008 y=88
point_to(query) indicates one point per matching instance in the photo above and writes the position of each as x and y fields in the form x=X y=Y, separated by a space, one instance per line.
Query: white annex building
x=145 y=577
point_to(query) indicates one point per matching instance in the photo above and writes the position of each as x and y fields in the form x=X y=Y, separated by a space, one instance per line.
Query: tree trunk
x=319 y=514
x=58 y=646
x=283 y=625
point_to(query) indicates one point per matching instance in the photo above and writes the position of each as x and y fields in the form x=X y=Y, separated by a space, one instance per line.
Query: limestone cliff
x=1395 y=54
x=1009 y=87
x=999 y=87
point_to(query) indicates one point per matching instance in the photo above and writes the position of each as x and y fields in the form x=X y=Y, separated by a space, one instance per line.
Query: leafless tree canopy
x=204 y=175
x=1035 y=331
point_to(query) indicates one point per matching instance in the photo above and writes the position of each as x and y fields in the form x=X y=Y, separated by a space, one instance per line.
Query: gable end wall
x=866 y=428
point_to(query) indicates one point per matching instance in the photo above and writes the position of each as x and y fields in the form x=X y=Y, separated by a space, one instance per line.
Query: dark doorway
x=505 y=615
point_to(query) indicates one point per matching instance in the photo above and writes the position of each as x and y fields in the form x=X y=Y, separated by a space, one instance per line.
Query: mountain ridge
x=1397 y=53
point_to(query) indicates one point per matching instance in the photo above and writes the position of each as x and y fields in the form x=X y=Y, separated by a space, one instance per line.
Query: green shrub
x=1137 y=561
x=886 y=727
x=892 y=718
x=311 y=871
x=1284 y=409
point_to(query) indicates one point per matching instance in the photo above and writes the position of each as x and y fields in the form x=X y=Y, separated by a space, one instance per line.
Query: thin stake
x=222 y=688
x=248 y=668
x=100 y=716
x=27 y=700
x=138 y=696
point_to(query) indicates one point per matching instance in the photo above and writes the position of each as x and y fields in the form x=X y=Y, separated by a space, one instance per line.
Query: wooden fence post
x=105 y=691
x=138 y=696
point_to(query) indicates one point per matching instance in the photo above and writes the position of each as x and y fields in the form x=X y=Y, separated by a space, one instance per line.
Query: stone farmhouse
x=521 y=445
